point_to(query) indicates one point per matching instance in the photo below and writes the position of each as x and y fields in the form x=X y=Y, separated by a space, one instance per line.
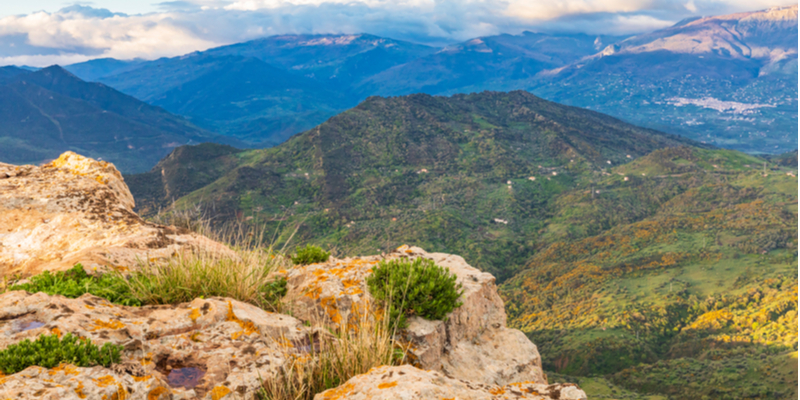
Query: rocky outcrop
x=76 y=209
x=204 y=349
x=473 y=344
x=407 y=382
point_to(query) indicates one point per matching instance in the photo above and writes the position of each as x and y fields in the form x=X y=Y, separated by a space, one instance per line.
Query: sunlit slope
x=678 y=276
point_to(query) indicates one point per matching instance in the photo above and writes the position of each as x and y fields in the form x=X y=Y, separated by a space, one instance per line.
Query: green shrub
x=310 y=255
x=418 y=287
x=49 y=351
x=76 y=282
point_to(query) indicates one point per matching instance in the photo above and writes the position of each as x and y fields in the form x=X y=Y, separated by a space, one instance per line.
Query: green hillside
x=422 y=169
x=680 y=280
x=642 y=265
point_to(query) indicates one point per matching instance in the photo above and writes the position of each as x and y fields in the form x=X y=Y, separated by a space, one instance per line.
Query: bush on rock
x=49 y=351
x=418 y=287
x=75 y=282
x=310 y=255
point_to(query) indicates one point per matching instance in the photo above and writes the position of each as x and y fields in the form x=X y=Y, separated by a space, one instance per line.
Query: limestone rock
x=407 y=382
x=76 y=209
x=473 y=344
x=233 y=345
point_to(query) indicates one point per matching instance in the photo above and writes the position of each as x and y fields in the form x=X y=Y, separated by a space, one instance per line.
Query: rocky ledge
x=407 y=382
x=76 y=209
x=472 y=344
x=204 y=349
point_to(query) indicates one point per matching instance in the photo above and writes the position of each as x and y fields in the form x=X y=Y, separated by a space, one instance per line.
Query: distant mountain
x=265 y=90
x=728 y=80
x=342 y=59
x=47 y=112
x=725 y=80
x=245 y=97
x=423 y=160
x=93 y=70
x=484 y=63
x=9 y=73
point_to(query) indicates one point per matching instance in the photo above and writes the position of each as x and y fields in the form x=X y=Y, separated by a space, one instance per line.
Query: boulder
x=472 y=344
x=76 y=209
x=204 y=349
x=408 y=382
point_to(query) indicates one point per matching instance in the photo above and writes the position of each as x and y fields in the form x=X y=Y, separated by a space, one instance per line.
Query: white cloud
x=78 y=33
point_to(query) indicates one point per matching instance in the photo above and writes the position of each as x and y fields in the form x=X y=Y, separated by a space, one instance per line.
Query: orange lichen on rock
x=387 y=385
x=352 y=286
x=111 y=324
x=329 y=304
x=497 y=390
x=148 y=359
x=79 y=390
x=195 y=314
x=67 y=369
x=338 y=392
x=219 y=392
x=156 y=393
x=248 y=328
x=104 y=381
x=142 y=378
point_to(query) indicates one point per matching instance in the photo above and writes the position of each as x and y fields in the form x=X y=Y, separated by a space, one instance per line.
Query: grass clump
x=245 y=276
x=418 y=287
x=76 y=282
x=310 y=255
x=329 y=360
x=49 y=351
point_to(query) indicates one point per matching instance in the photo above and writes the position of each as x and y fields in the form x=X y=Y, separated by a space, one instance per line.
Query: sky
x=45 y=32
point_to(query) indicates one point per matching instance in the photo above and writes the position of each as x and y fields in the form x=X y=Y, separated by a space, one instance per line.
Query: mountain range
x=727 y=80
x=636 y=260
x=50 y=111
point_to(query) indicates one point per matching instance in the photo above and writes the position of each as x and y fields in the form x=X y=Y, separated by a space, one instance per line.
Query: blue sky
x=45 y=32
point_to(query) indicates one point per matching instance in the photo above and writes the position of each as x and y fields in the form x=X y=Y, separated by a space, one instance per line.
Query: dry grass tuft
x=330 y=360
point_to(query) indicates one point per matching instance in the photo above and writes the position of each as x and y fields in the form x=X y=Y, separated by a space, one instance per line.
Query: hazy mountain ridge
x=748 y=60
x=47 y=112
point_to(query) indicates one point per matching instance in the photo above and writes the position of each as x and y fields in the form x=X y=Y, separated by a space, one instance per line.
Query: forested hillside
x=471 y=173
x=678 y=276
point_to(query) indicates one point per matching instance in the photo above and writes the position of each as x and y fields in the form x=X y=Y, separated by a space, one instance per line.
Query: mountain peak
x=55 y=70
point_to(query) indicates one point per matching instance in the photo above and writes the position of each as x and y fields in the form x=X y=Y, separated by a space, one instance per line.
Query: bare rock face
x=473 y=344
x=205 y=349
x=407 y=382
x=76 y=209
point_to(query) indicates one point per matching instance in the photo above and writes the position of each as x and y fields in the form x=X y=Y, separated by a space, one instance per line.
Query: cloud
x=77 y=33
